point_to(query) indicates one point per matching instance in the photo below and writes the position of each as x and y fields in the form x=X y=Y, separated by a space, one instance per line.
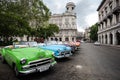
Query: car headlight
x=58 y=50
x=53 y=54
x=23 y=61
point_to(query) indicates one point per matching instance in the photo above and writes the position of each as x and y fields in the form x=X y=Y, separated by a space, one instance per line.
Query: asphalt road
x=89 y=63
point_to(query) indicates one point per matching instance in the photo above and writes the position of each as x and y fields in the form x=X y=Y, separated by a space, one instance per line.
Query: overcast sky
x=85 y=9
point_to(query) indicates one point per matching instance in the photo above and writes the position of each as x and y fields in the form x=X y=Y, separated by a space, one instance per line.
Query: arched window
x=66 y=39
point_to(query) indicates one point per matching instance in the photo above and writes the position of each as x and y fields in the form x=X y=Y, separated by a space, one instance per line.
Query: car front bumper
x=38 y=68
x=63 y=55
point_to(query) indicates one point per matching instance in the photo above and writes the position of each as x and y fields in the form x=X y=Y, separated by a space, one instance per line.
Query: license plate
x=43 y=68
x=67 y=55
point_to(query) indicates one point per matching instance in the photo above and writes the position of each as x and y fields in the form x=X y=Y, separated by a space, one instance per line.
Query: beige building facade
x=87 y=34
x=66 y=23
x=109 y=22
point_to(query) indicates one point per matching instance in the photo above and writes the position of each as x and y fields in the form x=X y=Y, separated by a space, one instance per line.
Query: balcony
x=116 y=9
x=109 y=14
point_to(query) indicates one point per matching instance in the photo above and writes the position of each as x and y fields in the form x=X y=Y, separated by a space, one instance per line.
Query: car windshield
x=41 y=44
x=50 y=42
x=16 y=46
x=60 y=42
x=26 y=43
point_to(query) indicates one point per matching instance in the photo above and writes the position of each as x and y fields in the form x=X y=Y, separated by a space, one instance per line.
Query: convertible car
x=25 y=60
x=60 y=51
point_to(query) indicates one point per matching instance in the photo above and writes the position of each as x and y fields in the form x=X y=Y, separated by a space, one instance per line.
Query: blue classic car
x=60 y=51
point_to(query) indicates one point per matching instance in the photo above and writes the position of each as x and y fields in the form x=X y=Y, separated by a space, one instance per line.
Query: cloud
x=85 y=9
x=91 y=19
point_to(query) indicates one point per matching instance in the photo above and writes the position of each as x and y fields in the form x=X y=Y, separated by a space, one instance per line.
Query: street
x=89 y=63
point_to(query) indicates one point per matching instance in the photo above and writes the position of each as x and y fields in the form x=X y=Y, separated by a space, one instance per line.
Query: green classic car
x=25 y=60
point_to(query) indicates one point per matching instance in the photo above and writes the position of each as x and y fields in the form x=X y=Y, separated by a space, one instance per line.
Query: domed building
x=66 y=23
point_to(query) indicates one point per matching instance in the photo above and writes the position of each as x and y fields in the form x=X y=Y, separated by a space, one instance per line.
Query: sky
x=85 y=11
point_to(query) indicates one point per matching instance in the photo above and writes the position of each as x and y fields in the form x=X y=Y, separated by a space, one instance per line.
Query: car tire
x=3 y=59
x=17 y=74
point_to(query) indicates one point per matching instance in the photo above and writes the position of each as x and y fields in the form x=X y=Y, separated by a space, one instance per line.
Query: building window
x=56 y=39
x=106 y=10
x=66 y=39
x=117 y=2
x=102 y=14
x=110 y=4
x=66 y=19
x=73 y=39
x=72 y=8
x=67 y=8
x=51 y=39
x=110 y=21
x=66 y=32
x=117 y=17
x=60 y=39
x=99 y=17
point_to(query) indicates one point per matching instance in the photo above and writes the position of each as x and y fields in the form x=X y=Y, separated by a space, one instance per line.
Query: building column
x=98 y=38
x=104 y=39
x=114 y=19
x=63 y=38
x=119 y=3
x=114 y=4
x=74 y=38
x=70 y=39
x=108 y=22
x=114 y=38
x=49 y=39
x=101 y=39
x=104 y=25
x=100 y=27
x=119 y=15
x=108 y=34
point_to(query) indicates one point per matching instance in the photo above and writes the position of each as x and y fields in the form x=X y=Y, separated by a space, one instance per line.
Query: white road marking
x=78 y=66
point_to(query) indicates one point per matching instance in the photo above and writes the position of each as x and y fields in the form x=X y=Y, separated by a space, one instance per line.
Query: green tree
x=13 y=19
x=38 y=15
x=25 y=17
x=93 y=32
x=48 y=31
x=51 y=29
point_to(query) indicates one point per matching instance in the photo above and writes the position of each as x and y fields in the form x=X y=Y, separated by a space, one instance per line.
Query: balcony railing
x=116 y=9
x=109 y=14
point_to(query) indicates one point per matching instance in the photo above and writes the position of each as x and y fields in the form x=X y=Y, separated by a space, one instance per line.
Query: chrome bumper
x=64 y=55
x=36 y=69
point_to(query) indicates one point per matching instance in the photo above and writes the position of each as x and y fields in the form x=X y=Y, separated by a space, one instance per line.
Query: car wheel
x=3 y=59
x=17 y=74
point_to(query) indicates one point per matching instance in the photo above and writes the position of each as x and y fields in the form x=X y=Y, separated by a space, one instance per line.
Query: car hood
x=28 y=53
x=62 y=46
x=53 y=48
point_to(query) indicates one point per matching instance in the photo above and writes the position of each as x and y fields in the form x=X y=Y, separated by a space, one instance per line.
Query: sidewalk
x=118 y=46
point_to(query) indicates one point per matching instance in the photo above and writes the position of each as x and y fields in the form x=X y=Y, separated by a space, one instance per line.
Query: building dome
x=70 y=4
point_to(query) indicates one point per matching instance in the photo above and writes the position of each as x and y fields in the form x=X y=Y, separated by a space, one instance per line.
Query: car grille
x=65 y=52
x=40 y=62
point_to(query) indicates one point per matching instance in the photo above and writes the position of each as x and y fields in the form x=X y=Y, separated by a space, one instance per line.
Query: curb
x=118 y=46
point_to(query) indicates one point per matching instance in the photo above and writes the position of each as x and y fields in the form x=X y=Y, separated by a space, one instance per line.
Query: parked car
x=67 y=44
x=25 y=60
x=97 y=43
x=60 y=51
x=75 y=44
